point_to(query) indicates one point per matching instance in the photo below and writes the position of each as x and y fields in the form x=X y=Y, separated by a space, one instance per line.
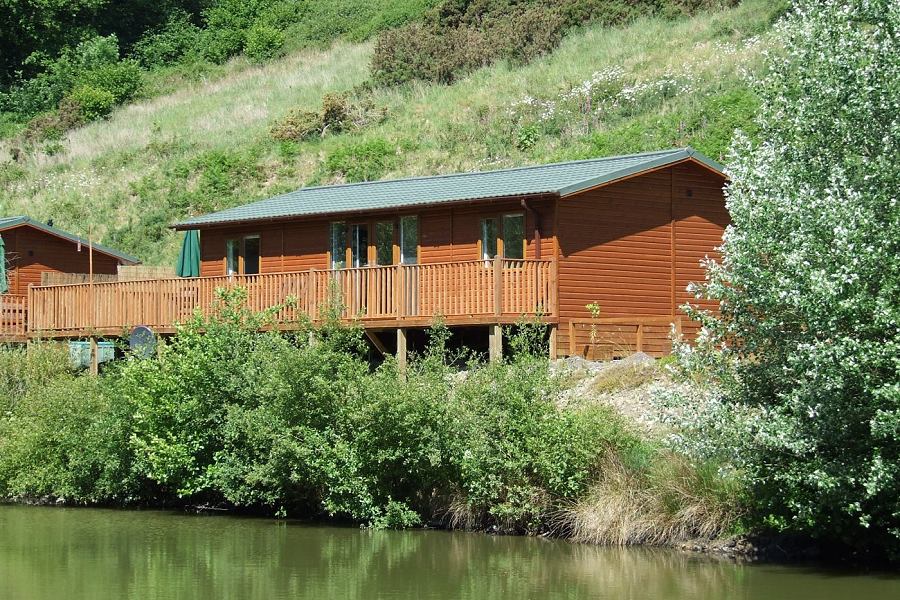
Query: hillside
x=208 y=145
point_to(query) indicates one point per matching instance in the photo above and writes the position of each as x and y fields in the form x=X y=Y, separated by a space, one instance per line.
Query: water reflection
x=98 y=554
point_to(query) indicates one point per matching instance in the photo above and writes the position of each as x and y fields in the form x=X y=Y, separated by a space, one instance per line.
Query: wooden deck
x=462 y=293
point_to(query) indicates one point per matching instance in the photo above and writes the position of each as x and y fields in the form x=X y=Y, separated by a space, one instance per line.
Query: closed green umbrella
x=189 y=259
x=4 y=284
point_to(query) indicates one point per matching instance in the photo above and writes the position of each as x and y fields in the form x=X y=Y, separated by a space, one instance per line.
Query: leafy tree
x=810 y=278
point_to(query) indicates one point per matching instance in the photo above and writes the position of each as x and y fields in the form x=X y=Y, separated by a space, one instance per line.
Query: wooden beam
x=553 y=342
x=373 y=337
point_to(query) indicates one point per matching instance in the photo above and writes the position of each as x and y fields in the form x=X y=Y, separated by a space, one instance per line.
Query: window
x=338 y=245
x=489 y=238
x=409 y=240
x=359 y=245
x=384 y=243
x=232 y=257
x=514 y=236
x=251 y=255
x=242 y=256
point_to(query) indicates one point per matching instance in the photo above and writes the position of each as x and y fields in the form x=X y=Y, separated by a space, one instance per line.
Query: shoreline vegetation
x=267 y=423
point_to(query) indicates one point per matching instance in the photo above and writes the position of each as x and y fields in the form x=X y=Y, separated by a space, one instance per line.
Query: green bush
x=178 y=38
x=93 y=103
x=807 y=340
x=65 y=437
x=297 y=125
x=263 y=42
x=121 y=79
x=361 y=161
x=218 y=45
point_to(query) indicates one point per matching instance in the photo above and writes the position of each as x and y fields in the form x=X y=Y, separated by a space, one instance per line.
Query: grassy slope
x=206 y=146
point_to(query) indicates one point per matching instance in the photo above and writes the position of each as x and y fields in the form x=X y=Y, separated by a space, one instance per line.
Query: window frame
x=332 y=249
x=500 y=219
x=239 y=242
x=503 y=242
x=364 y=258
x=402 y=259
x=392 y=246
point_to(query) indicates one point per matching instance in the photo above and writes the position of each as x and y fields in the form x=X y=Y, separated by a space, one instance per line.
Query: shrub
x=218 y=45
x=806 y=343
x=263 y=42
x=52 y=125
x=93 y=103
x=297 y=125
x=67 y=439
x=121 y=79
x=361 y=161
x=168 y=44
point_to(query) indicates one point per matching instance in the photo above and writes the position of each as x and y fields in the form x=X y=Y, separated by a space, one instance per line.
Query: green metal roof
x=8 y=222
x=561 y=179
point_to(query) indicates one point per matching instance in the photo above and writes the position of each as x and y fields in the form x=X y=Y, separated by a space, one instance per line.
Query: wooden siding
x=30 y=252
x=634 y=246
x=700 y=221
x=445 y=234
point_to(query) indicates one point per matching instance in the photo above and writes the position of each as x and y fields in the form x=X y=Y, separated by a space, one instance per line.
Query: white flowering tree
x=810 y=279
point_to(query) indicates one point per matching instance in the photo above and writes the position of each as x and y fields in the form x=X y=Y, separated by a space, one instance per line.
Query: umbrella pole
x=95 y=358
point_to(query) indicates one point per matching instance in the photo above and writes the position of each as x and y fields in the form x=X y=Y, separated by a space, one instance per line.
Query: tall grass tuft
x=670 y=500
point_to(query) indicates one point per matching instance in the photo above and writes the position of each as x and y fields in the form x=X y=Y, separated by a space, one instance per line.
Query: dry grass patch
x=668 y=502
x=627 y=376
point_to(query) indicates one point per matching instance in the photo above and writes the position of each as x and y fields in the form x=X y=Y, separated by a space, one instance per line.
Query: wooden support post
x=553 y=342
x=95 y=357
x=498 y=285
x=495 y=343
x=401 y=351
x=639 y=342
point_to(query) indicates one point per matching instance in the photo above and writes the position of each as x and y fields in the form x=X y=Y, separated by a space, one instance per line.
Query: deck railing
x=13 y=315
x=456 y=290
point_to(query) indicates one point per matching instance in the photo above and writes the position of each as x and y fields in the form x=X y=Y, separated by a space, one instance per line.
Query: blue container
x=80 y=353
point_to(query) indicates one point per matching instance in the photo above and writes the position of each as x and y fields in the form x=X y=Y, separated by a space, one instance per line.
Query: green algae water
x=65 y=553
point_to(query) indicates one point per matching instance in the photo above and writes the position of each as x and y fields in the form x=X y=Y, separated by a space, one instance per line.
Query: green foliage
x=93 y=103
x=517 y=453
x=177 y=39
x=122 y=79
x=366 y=160
x=263 y=42
x=807 y=342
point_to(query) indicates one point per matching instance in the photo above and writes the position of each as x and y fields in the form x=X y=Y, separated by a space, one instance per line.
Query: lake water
x=68 y=553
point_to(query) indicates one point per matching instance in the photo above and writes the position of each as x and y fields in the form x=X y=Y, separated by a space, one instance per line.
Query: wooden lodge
x=32 y=251
x=625 y=234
